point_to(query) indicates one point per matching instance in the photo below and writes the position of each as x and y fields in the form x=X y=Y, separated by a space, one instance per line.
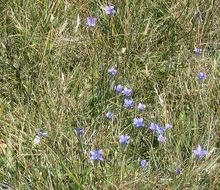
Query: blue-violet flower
x=199 y=152
x=124 y=140
x=96 y=155
x=110 y=10
x=128 y=103
x=91 y=21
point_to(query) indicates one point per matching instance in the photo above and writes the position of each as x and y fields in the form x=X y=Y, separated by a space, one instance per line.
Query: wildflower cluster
x=124 y=140
x=128 y=103
x=109 y=10
x=120 y=100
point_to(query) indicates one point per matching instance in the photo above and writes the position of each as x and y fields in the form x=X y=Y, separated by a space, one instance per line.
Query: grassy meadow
x=55 y=78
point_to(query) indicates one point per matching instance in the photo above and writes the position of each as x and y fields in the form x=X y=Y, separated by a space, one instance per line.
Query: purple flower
x=160 y=130
x=168 y=126
x=96 y=155
x=127 y=91
x=36 y=140
x=153 y=126
x=41 y=133
x=91 y=21
x=141 y=107
x=199 y=152
x=197 y=50
x=109 y=115
x=178 y=171
x=201 y=76
x=156 y=127
x=110 y=10
x=161 y=138
x=124 y=140
x=112 y=71
x=138 y=122
x=118 y=89
x=128 y=103
x=144 y=164
x=79 y=131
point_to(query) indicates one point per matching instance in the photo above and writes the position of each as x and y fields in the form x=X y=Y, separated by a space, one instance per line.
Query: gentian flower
x=197 y=50
x=96 y=155
x=110 y=10
x=79 y=131
x=156 y=127
x=128 y=103
x=199 y=152
x=201 y=76
x=91 y=21
x=168 y=126
x=153 y=126
x=138 y=122
x=109 y=115
x=144 y=164
x=112 y=71
x=161 y=138
x=124 y=140
x=141 y=107
x=118 y=89
x=178 y=171
x=36 y=140
x=160 y=130
x=127 y=91
x=40 y=135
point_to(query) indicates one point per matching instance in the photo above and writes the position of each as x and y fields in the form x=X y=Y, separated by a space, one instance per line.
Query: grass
x=54 y=76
